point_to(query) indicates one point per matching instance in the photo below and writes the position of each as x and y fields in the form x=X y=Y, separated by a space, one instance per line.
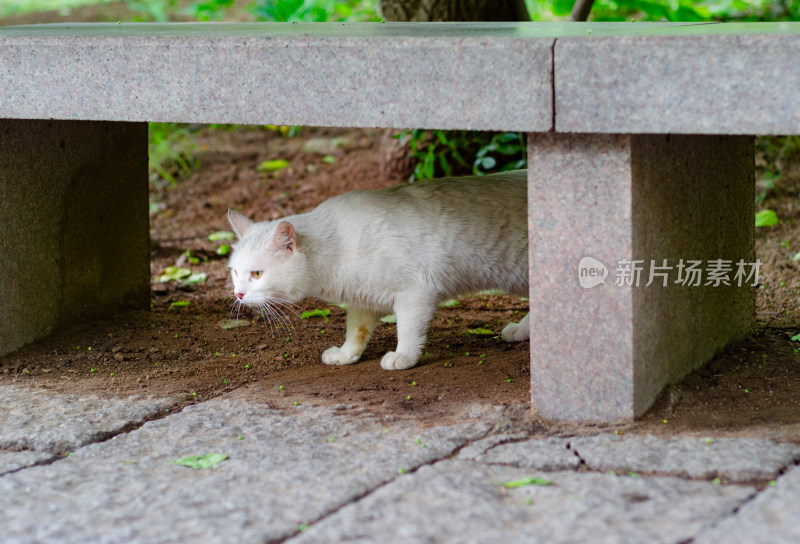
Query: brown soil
x=752 y=388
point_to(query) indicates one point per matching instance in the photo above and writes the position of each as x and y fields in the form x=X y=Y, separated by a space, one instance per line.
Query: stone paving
x=86 y=469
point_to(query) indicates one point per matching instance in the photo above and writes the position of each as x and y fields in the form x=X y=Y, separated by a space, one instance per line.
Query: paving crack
x=553 y=84
x=723 y=517
x=581 y=460
x=405 y=472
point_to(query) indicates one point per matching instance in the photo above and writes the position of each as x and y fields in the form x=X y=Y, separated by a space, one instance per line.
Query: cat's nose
x=240 y=296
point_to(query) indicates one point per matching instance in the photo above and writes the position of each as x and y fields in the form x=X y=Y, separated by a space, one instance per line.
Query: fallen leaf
x=201 y=461
x=316 y=313
x=229 y=324
x=528 y=481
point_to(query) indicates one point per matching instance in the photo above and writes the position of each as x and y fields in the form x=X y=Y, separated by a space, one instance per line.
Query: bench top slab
x=733 y=78
x=740 y=78
x=323 y=74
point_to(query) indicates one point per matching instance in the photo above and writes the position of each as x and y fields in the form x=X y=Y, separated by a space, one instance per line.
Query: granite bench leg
x=74 y=231
x=603 y=353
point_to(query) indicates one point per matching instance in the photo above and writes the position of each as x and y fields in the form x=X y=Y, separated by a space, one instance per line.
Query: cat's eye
x=256 y=273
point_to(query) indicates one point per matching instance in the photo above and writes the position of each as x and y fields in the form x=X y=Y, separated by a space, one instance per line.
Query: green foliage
x=779 y=149
x=367 y=10
x=155 y=10
x=16 y=7
x=505 y=151
x=210 y=10
x=649 y=10
x=173 y=152
x=445 y=153
x=316 y=11
x=671 y=10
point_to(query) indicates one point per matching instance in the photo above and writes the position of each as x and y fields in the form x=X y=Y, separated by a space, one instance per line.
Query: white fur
x=401 y=250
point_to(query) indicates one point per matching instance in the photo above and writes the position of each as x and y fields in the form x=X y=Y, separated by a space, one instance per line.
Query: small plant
x=445 y=153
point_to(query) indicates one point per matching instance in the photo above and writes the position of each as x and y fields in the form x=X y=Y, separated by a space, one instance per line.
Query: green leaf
x=766 y=218
x=528 y=481
x=197 y=277
x=273 y=165
x=221 y=235
x=481 y=332
x=508 y=149
x=173 y=273
x=507 y=137
x=449 y=303
x=316 y=313
x=329 y=159
x=389 y=319
x=487 y=163
x=201 y=461
x=224 y=249
x=445 y=166
x=179 y=304
x=796 y=338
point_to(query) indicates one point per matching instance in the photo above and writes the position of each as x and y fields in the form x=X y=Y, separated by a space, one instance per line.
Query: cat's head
x=267 y=263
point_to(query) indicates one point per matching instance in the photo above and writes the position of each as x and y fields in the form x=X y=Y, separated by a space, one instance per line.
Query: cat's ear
x=240 y=223
x=285 y=238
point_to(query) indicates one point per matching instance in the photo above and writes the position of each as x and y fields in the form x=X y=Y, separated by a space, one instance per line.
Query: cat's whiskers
x=287 y=305
x=267 y=316
x=277 y=317
x=236 y=306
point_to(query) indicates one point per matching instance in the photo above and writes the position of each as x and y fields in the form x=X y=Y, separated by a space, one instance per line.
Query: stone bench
x=640 y=150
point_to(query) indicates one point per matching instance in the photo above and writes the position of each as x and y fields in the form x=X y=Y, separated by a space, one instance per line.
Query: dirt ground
x=752 y=388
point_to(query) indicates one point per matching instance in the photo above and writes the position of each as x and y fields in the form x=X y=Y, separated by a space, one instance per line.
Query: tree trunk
x=580 y=10
x=454 y=10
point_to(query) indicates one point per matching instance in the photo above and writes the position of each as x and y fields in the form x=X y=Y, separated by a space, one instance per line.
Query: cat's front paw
x=516 y=332
x=335 y=356
x=397 y=361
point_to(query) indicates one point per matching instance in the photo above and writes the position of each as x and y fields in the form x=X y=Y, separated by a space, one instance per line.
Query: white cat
x=401 y=250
